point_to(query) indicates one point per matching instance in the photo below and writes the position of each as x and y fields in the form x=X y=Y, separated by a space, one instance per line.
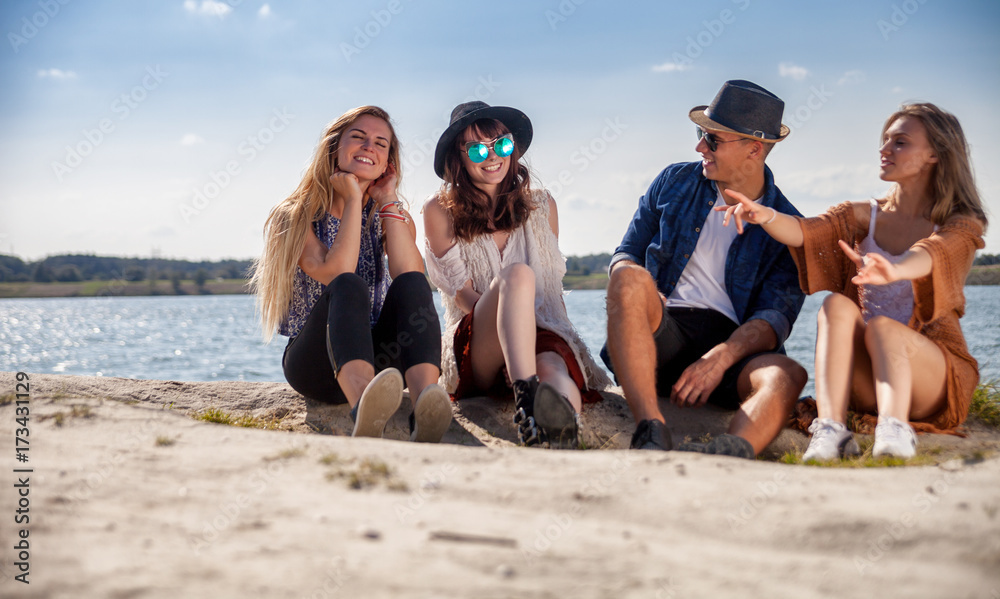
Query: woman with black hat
x=492 y=250
x=342 y=278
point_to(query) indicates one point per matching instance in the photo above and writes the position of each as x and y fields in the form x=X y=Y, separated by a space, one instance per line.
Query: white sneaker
x=431 y=415
x=379 y=401
x=893 y=437
x=830 y=441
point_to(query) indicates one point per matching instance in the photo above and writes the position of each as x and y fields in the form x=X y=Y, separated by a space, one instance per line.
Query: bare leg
x=909 y=370
x=842 y=363
x=503 y=329
x=552 y=370
x=771 y=385
x=418 y=377
x=635 y=309
x=353 y=378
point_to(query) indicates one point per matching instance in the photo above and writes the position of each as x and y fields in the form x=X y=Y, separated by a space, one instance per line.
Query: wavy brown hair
x=470 y=208
x=288 y=224
x=953 y=186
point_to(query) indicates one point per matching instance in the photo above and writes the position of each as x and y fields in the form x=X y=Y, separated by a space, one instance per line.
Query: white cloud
x=56 y=74
x=670 y=67
x=897 y=90
x=854 y=76
x=264 y=12
x=192 y=139
x=208 y=7
x=839 y=182
x=787 y=69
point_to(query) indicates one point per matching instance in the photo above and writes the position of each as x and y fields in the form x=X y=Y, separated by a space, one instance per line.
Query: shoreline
x=978 y=276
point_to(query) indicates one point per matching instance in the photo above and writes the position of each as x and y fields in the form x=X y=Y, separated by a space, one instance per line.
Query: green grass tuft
x=985 y=405
x=246 y=420
x=286 y=454
x=162 y=441
x=329 y=459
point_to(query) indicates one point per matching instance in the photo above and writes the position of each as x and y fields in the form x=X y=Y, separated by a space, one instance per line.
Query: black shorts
x=684 y=336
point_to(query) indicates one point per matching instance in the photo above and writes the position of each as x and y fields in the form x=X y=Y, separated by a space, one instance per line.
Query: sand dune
x=131 y=497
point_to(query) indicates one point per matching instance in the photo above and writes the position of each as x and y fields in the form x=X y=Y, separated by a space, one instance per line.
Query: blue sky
x=173 y=127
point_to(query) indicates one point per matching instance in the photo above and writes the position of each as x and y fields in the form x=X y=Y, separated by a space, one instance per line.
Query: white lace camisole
x=894 y=300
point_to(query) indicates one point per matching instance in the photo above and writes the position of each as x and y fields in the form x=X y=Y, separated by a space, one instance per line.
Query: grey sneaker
x=724 y=444
x=830 y=441
x=893 y=437
x=379 y=401
x=431 y=415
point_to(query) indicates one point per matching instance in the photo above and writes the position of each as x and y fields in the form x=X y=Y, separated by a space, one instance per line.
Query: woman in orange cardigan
x=888 y=340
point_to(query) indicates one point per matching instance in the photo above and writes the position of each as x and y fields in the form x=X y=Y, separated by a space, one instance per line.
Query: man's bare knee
x=630 y=288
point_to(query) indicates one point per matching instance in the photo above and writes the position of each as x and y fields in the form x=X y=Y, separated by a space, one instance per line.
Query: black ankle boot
x=524 y=411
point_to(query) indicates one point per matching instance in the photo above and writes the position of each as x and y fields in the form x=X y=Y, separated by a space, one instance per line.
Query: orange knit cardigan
x=938 y=298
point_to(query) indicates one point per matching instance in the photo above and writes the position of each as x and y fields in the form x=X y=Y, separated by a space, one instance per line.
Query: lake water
x=207 y=338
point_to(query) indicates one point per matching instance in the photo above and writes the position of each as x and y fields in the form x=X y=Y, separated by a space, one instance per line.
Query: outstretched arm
x=784 y=228
x=874 y=269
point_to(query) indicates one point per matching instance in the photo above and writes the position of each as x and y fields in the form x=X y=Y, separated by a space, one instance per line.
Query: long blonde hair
x=288 y=224
x=953 y=187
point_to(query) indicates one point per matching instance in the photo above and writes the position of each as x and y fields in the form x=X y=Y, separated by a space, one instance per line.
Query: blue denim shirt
x=761 y=278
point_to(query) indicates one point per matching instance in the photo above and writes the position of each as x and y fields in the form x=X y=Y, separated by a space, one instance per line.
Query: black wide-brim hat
x=743 y=108
x=465 y=114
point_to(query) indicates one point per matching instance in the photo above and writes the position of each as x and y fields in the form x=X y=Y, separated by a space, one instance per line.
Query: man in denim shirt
x=695 y=311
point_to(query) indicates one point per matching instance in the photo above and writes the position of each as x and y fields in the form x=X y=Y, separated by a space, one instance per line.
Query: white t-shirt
x=703 y=282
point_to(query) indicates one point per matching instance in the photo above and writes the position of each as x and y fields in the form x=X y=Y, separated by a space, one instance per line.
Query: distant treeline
x=587 y=265
x=82 y=267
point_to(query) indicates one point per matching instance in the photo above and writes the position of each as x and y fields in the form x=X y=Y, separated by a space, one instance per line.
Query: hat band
x=745 y=131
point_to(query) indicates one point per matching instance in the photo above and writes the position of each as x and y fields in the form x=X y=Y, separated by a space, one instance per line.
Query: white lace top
x=894 y=300
x=533 y=244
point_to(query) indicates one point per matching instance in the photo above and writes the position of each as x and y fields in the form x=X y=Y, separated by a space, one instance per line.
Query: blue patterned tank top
x=372 y=268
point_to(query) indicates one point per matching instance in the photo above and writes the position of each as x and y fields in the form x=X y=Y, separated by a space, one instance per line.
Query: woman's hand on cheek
x=346 y=185
x=383 y=189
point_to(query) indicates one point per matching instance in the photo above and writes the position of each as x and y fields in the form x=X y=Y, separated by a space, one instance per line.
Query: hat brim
x=699 y=117
x=516 y=121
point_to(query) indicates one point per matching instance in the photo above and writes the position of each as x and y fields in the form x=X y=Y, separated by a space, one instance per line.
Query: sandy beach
x=132 y=497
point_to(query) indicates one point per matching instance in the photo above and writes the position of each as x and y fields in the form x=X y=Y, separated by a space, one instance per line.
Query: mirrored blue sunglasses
x=478 y=151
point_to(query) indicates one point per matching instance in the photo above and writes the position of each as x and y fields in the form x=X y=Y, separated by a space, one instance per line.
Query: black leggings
x=337 y=331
